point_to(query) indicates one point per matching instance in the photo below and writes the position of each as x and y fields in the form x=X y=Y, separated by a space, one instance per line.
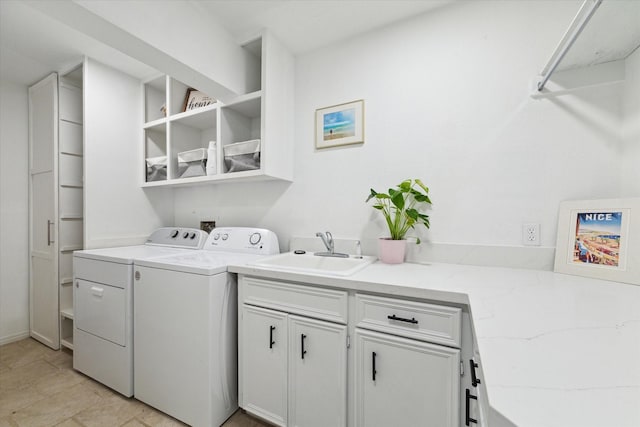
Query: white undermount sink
x=314 y=264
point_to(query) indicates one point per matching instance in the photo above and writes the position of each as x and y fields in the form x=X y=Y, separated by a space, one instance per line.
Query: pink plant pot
x=391 y=251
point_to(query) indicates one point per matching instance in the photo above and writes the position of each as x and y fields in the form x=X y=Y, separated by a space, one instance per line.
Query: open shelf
x=155 y=93
x=235 y=120
x=67 y=313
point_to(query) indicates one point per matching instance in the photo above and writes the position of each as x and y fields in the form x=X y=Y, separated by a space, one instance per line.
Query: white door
x=263 y=364
x=406 y=381
x=43 y=143
x=317 y=373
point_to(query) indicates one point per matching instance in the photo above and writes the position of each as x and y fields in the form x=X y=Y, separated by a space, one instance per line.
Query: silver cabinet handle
x=49 y=241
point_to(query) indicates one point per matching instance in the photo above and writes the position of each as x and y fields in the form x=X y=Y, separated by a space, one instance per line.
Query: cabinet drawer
x=326 y=304
x=421 y=321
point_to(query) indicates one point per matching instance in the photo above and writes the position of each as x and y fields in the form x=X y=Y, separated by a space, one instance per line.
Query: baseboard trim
x=7 y=339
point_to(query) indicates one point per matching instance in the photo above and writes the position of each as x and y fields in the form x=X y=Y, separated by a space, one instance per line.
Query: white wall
x=446 y=100
x=117 y=210
x=14 y=211
x=180 y=38
x=631 y=159
x=16 y=74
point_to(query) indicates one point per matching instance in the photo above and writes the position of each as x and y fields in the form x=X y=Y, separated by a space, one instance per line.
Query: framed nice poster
x=600 y=239
x=340 y=125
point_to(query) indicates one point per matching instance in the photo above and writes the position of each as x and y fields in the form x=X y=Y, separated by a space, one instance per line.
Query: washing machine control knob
x=193 y=236
x=216 y=236
x=225 y=236
x=185 y=235
x=174 y=234
x=255 y=238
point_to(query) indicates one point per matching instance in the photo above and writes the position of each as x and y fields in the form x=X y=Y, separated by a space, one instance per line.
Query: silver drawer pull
x=402 y=319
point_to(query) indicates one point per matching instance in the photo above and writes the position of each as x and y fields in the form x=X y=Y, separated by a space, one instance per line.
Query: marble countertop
x=556 y=350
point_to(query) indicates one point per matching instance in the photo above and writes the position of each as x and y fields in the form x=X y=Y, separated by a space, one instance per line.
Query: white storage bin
x=192 y=163
x=156 y=168
x=242 y=156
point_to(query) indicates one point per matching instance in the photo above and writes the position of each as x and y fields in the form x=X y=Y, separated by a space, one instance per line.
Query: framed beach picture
x=599 y=239
x=340 y=125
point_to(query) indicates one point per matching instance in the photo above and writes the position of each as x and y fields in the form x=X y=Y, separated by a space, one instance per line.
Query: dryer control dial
x=185 y=235
x=225 y=236
x=216 y=236
x=174 y=234
x=255 y=238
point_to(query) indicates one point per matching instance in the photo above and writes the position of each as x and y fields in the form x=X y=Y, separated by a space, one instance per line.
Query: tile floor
x=38 y=387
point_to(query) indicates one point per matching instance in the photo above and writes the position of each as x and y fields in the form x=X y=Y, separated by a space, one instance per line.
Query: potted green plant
x=401 y=208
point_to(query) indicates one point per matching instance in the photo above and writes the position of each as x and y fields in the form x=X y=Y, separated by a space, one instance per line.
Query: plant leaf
x=405 y=185
x=372 y=195
x=397 y=198
x=421 y=185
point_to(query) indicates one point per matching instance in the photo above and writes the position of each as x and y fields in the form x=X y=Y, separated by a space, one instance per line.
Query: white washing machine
x=185 y=326
x=103 y=304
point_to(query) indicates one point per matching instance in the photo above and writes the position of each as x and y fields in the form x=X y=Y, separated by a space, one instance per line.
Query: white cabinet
x=317 y=373
x=263 y=114
x=407 y=362
x=263 y=363
x=292 y=367
x=405 y=381
x=320 y=356
x=43 y=144
x=56 y=203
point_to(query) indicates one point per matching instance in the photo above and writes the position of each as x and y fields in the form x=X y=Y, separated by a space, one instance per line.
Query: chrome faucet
x=327 y=239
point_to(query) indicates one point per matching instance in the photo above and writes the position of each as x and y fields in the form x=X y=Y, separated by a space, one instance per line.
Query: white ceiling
x=33 y=44
x=305 y=25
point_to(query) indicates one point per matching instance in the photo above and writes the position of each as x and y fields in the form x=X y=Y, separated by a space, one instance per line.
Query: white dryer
x=103 y=304
x=185 y=326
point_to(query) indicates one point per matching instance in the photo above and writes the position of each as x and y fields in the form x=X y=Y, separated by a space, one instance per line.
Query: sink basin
x=310 y=263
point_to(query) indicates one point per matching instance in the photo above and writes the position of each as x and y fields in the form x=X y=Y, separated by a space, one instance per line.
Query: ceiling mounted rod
x=581 y=19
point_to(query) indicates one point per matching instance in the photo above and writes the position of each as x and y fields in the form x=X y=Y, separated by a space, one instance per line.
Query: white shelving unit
x=249 y=116
x=56 y=203
x=70 y=193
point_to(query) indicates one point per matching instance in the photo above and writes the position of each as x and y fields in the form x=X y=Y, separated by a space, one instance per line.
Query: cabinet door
x=43 y=124
x=403 y=381
x=263 y=364
x=317 y=373
x=43 y=246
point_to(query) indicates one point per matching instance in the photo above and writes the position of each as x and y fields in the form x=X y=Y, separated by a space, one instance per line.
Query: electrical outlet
x=207 y=226
x=531 y=234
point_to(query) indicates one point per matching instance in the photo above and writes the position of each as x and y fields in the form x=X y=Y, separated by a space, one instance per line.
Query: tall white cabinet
x=43 y=242
x=56 y=203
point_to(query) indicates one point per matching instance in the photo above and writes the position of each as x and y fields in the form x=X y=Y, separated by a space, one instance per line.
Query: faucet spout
x=327 y=239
